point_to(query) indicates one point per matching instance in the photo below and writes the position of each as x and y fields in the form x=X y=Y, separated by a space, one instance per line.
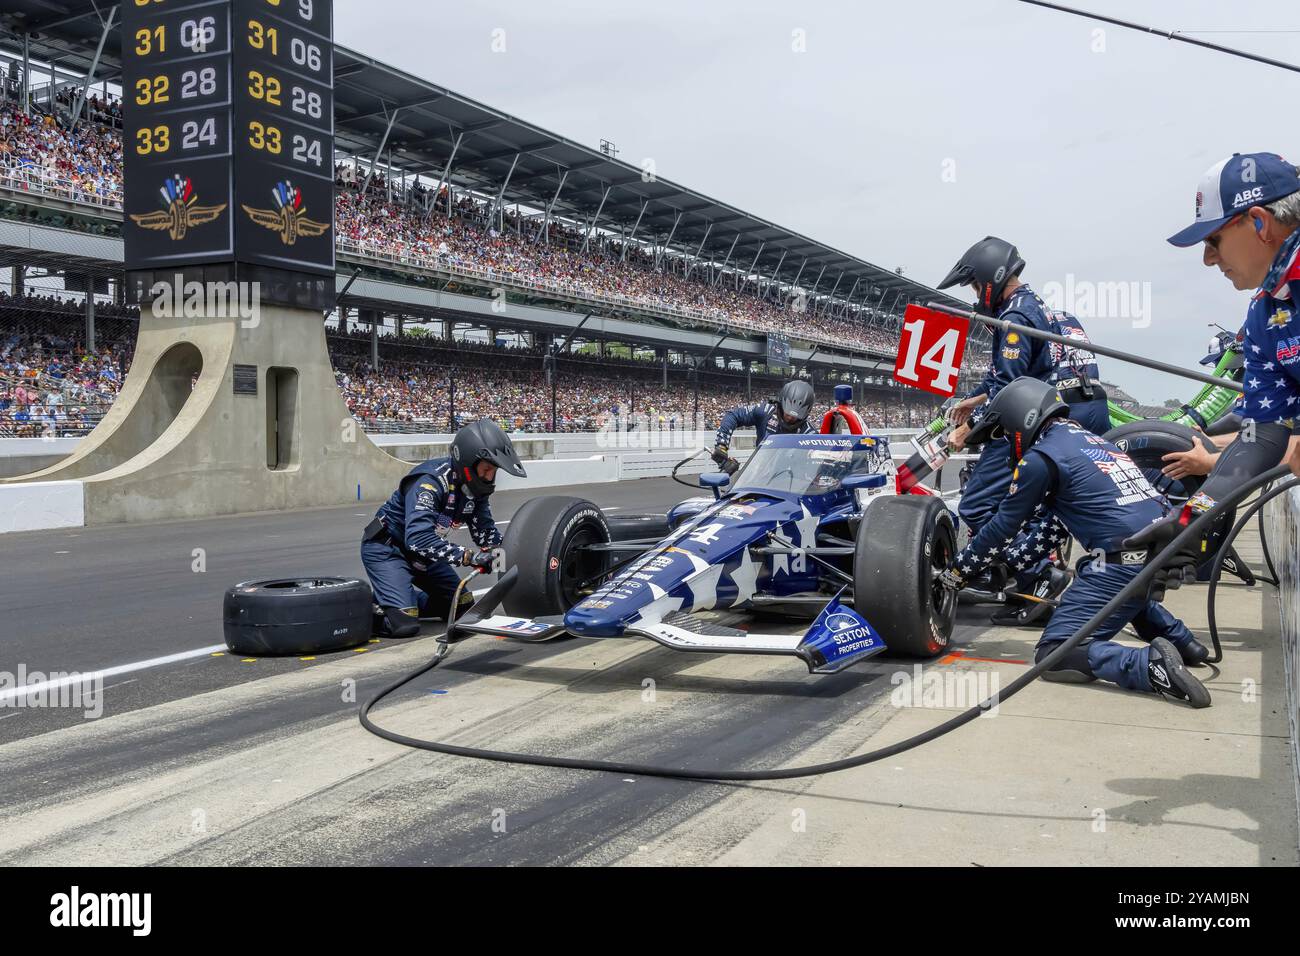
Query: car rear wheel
x=547 y=541
x=903 y=543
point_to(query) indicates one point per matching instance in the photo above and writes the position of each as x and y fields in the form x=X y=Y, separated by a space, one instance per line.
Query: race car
x=812 y=526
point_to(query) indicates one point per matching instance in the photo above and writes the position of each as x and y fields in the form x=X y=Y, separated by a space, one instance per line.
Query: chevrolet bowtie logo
x=289 y=218
x=180 y=211
x=1280 y=318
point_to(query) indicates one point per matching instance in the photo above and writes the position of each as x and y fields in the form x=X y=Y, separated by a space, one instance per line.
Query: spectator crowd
x=563 y=260
x=404 y=221
x=51 y=384
x=38 y=154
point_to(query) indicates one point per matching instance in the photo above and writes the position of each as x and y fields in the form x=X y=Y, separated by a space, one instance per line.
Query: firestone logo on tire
x=554 y=563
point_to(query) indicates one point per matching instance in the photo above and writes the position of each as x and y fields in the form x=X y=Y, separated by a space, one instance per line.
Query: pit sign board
x=930 y=350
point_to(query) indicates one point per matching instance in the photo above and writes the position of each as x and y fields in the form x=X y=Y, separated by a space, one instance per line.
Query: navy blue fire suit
x=764 y=417
x=1090 y=489
x=1015 y=355
x=410 y=562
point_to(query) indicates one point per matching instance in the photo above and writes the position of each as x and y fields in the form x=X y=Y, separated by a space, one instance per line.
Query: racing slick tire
x=306 y=615
x=636 y=527
x=545 y=542
x=1147 y=442
x=903 y=542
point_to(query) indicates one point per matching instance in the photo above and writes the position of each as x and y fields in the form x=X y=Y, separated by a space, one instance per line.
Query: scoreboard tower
x=228 y=122
x=229 y=143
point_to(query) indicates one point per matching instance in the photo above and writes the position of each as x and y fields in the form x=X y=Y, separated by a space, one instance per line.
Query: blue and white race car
x=811 y=526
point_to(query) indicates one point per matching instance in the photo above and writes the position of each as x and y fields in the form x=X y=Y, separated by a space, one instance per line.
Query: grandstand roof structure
x=434 y=131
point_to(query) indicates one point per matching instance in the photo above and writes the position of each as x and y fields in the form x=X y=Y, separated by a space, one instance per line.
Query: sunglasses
x=1212 y=240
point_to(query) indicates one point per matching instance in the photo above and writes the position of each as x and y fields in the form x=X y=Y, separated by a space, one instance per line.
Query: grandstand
x=486 y=266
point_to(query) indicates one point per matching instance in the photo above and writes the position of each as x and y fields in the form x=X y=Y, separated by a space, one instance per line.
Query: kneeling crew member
x=410 y=562
x=788 y=415
x=1096 y=493
x=991 y=268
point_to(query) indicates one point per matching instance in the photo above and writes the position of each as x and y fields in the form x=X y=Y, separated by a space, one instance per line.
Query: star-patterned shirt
x=1272 y=342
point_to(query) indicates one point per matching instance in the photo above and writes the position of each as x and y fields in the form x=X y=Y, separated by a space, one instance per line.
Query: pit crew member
x=1096 y=493
x=405 y=549
x=992 y=269
x=787 y=415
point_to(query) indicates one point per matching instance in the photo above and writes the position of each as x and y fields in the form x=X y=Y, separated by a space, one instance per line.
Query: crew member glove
x=1155 y=537
x=725 y=462
x=481 y=559
x=952 y=579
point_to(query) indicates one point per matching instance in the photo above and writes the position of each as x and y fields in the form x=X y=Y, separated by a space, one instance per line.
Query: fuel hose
x=1134 y=588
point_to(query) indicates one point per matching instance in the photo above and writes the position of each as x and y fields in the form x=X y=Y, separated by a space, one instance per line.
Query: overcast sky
x=903 y=132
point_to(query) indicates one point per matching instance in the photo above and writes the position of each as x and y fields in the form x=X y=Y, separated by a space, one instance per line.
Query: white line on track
x=69 y=679
x=40 y=686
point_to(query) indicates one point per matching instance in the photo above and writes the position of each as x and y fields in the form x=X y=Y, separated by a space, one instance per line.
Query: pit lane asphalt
x=212 y=760
x=97 y=598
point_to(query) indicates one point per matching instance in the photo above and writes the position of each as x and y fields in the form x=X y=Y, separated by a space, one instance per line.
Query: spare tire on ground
x=297 y=615
x=903 y=542
x=545 y=541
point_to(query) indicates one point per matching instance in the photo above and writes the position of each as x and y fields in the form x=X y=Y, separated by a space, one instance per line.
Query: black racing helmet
x=1019 y=413
x=483 y=440
x=991 y=263
x=796 y=400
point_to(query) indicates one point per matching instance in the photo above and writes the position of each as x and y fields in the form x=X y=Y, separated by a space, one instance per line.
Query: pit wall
x=550 y=460
x=1282 y=533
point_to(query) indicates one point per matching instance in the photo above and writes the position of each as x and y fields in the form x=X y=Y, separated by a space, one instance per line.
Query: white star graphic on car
x=1268 y=366
x=1255 y=349
x=1253 y=383
x=1265 y=403
x=656 y=611
x=704 y=587
x=807 y=528
x=745 y=577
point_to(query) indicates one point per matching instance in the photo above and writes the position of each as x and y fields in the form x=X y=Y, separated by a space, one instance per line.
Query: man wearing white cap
x=1248 y=219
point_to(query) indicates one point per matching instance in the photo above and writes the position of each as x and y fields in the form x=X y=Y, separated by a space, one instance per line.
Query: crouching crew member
x=1096 y=493
x=405 y=549
x=991 y=268
x=788 y=415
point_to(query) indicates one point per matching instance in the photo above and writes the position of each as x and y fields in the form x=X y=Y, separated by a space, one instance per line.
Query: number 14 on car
x=930 y=350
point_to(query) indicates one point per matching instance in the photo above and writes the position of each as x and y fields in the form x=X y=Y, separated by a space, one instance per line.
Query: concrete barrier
x=1282 y=532
x=422 y=447
x=42 y=505
x=551 y=472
